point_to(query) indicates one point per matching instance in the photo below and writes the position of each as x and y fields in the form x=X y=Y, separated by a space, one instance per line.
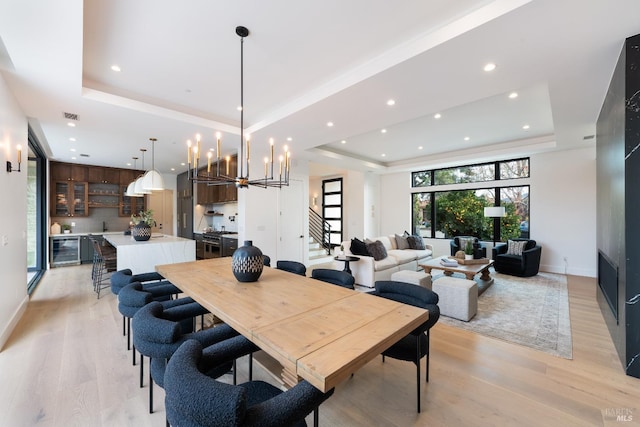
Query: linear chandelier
x=213 y=175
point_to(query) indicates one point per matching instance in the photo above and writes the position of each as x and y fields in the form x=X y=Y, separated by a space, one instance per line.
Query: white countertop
x=95 y=233
x=118 y=240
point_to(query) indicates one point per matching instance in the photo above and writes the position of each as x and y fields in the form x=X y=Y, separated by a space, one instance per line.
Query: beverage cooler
x=65 y=250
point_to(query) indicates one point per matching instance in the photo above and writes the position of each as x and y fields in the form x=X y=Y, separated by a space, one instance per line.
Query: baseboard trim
x=13 y=322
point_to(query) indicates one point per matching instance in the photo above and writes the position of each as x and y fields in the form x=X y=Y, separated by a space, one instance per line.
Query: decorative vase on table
x=141 y=231
x=247 y=262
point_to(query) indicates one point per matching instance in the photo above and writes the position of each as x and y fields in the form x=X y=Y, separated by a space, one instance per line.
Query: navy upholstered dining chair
x=292 y=267
x=414 y=346
x=158 y=332
x=336 y=277
x=194 y=399
x=134 y=296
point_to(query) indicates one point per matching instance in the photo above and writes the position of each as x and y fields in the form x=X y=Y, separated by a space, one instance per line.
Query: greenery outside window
x=483 y=172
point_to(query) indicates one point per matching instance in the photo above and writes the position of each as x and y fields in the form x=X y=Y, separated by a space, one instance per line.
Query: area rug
x=529 y=311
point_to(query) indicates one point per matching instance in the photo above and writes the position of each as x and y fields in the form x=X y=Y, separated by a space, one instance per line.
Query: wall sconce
x=315 y=201
x=9 y=166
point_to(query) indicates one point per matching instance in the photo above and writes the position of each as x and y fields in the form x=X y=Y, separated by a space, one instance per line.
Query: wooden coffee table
x=469 y=270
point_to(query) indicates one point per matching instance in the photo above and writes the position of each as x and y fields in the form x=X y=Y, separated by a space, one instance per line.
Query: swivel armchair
x=458 y=244
x=525 y=264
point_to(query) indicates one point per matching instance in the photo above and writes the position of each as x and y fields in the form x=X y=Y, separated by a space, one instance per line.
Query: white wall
x=13 y=259
x=563 y=210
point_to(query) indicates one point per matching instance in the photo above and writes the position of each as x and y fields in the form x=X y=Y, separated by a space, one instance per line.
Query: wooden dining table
x=317 y=331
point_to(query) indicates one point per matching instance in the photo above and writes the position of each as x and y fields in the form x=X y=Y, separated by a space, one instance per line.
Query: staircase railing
x=320 y=230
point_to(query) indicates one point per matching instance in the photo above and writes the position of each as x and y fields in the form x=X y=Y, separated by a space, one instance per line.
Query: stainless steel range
x=213 y=243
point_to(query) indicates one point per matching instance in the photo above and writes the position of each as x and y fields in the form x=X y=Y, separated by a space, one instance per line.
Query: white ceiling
x=307 y=63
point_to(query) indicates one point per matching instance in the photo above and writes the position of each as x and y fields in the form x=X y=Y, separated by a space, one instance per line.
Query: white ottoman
x=419 y=278
x=458 y=297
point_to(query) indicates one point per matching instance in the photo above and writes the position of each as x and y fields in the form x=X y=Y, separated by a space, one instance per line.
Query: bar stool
x=104 y=263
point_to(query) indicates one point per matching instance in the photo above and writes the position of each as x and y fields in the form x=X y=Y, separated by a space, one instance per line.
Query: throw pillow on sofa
x=416 y=242
x=358 y=247
x=402 y=242
x=377 y=250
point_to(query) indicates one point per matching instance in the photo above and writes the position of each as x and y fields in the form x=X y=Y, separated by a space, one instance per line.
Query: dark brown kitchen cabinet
x=69 y=199
x=69 y=172
x=79 y=173
x=207 y=194
x=210 y=194
x=130 y=205
x=104 y=175
x=127 y=176
x=229 y=246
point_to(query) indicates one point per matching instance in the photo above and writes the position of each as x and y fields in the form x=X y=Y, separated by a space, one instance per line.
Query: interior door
x=291 y=222
x=161 y=203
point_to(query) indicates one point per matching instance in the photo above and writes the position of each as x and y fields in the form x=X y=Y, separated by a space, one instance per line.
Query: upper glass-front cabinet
x=69 y=199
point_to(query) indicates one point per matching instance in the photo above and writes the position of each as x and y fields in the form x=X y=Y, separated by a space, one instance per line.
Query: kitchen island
x=142 y=257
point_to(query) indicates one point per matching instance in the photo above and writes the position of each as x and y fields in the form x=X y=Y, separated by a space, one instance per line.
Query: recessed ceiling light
x=71 y=124
x=72 y=139
x=182 y=164
x=128 y=164
x=437 y=116
x=289 y=139
x=73 y=150
x=391 y=102
x=490 y=66
x=172 y=169
x=344 y=141
x=466 y=138
x=383 y=130
x=73 y=158
x=239 y=108
x=420 y=147
x=115 y=68
x=525 y=127
x=513 y=95
x=330 y=124
x=383 y=155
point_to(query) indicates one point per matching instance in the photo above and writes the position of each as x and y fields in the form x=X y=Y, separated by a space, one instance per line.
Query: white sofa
x=367 y=271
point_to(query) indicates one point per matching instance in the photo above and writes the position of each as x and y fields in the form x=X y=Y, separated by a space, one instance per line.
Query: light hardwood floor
x=66 y=364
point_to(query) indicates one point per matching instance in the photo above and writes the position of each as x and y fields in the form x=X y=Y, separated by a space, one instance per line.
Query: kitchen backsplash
x=99 y=219
x=228 y=210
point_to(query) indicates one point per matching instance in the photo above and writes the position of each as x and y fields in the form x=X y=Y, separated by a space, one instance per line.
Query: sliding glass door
x=36 y=213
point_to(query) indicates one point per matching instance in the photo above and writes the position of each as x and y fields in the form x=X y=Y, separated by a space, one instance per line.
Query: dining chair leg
x=418 y=371
x=142 y=369
x=150 y=390
x=234 y=372
x=134 y=355
x=250 y=366
x=315 y=417
x=124 y=326
x=427 y=357
x=128 y=333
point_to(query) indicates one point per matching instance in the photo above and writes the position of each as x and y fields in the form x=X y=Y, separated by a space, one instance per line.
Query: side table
x=347 y=259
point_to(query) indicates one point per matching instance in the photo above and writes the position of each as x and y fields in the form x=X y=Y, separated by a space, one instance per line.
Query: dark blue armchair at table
x=335 y=277
x=122 y=278
x=134 y=296
x=523 y=262
x=414 y=346
x=157 y=333
x=292 y=267
x=194 y=399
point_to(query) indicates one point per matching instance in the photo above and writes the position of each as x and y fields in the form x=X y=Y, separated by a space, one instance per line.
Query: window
x=484 y=172
x=446 y=214
x=332 y=208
